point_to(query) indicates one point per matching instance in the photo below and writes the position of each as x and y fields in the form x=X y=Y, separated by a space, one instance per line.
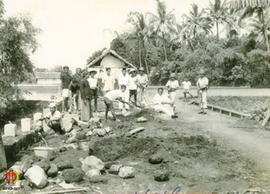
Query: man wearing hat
x=53 y=119
x=133 y=86
x=65 y=82
x=172 y=86
x=93 y=84
x=202 y=85
x=142 y=83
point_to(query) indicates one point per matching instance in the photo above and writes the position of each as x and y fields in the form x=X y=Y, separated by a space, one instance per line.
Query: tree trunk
x=140 y=53
x=217 y=30
x=262 y=16
x=164 y=47
x=3 y=161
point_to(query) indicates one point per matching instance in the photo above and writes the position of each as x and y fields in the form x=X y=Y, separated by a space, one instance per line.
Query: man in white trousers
x=202 y=85
x=173 y=86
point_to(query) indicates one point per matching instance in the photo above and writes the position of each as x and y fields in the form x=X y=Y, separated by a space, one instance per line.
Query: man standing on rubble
x=93 y=84
x=75 y=88
x=133 y=86
x=86 y=108
x=65 y=82
x=110 y=97
x=202 y=85
x=142 y=83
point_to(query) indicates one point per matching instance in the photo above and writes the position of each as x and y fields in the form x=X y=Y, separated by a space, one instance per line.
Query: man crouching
x=110 y=97
x=53 y=119
x=162 y=103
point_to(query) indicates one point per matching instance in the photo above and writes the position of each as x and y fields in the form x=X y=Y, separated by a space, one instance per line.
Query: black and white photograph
x=135 y=96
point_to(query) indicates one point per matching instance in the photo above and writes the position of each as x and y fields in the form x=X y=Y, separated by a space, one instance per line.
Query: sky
x=73 y=29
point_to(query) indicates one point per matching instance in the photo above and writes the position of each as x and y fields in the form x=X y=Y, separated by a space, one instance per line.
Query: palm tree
x=218 y=13
x=261 y=27
x=162 y=25
x=138 y=20
x=258 y=8
x=195 y=23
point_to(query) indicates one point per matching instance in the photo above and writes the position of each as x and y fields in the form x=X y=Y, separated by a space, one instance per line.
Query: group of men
x=128 y=89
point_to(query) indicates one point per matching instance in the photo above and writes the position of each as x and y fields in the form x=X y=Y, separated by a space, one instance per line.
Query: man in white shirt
x=162 y=103
x=173 y=86
x=133 y=86
x=124 y=79
x=110 y=97
x=142 y=83
x=202 y=85
x=108 y=81
x=53 y=119
x=93 y=84
x=186 y=86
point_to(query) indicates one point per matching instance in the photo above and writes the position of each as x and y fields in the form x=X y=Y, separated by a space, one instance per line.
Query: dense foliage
x=229 y=39
x=17 y=40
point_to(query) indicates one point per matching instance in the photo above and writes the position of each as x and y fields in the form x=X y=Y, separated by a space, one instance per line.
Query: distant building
x=48 y=77
x=109 y=58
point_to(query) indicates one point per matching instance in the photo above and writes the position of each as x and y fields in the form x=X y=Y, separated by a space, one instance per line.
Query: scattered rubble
x=155 y=159
x=44 y=164
x=115 y=168
x=93 y=172
x=64 y=165
x=127 y=172
x=73 y=175
x=141 y=120
x=98 y=179
x=161 y=175
x=134 y=131
x=53 y=170
x=37 y=177
x=99 y=131
x=92 y=162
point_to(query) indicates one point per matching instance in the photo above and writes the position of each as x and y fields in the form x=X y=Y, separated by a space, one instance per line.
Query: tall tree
x=163 y=25
x=195 y=23
x=218 y=13
x=257 y=8
x=138 y=20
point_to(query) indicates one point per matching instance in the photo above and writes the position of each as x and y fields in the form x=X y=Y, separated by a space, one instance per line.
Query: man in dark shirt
x=75 y=88
x=65 y=80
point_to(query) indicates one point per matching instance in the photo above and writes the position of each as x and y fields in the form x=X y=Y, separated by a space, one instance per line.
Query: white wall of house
x=48 y=81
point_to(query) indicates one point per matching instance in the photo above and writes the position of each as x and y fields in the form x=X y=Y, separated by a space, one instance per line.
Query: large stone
x=83 y=125
x=141 y=120
x=92 y=162
x=37 y=177
x=93 y=172
x=80 y=135
x=99 y=131
x=73 y=175
x=45 y=165
x=162 y=175
x=134 y=131
x=53 y=170
x=95 y=120
x=127 y=172
x=115 y=168
x=155 y=159
x=67 y=122
x=98 y=179
x=64 y=165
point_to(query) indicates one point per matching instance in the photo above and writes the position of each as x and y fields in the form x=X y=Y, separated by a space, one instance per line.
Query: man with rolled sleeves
x=202 y=85
x=65 y=83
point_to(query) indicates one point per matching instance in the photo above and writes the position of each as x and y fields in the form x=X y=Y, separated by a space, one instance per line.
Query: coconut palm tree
x=217 y=11
x=195 y=23
x=257 y=8
x=162 y=25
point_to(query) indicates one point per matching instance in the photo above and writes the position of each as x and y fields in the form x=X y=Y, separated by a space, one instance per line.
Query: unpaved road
x=243 y=135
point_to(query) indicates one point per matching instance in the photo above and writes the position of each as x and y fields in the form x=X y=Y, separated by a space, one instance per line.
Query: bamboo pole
x=3 y=160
